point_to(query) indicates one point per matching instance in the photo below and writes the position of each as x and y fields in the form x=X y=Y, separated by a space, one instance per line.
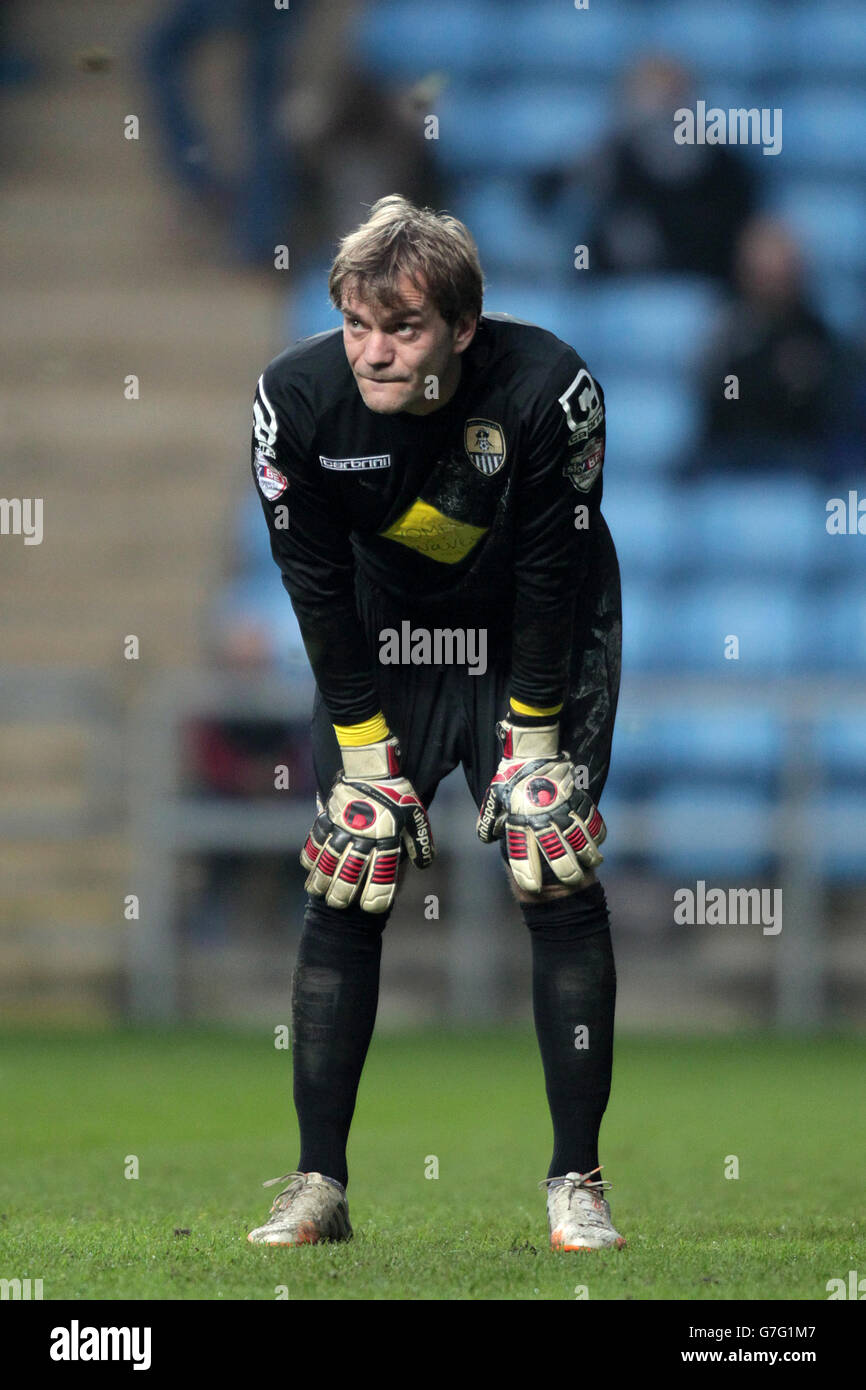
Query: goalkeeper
x=433 y=471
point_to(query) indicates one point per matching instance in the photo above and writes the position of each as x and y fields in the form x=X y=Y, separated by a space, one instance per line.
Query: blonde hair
x=400 y=239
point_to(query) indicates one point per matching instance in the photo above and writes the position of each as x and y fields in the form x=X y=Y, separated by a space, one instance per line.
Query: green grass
x=208 y=1114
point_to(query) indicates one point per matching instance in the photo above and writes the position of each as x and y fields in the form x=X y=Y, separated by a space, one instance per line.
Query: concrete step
x=76 y=867
x=202 y=334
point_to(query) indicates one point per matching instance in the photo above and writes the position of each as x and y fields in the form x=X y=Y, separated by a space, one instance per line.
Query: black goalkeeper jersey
x=483 y=513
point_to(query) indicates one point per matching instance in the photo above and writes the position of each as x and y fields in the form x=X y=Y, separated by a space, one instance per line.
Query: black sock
x=573 y=996
x=335 y=993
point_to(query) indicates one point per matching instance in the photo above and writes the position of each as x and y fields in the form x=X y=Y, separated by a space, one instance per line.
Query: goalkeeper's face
x=407 y=357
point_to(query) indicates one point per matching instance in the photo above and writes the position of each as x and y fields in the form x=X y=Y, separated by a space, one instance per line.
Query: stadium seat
x=651 y=423
x=822 y=129
x=542 y=304
x=512 y=236
x=644 y=524
x=653 y=322
x=841 y=298
x=767 y=618
x=411 y=38
x=841 y=855
x=826 y=39
x=553 y=39
x=519 y=127
x=718 y=744
x=643 y=620
x=754 y=525
x=829 y=217
x=840 y=741
x=841 y=556
x=738 y=39
x=709 y=832
x=837 y=625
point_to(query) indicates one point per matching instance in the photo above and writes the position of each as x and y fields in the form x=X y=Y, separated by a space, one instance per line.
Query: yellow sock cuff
x=534 y=711
x=368 y=731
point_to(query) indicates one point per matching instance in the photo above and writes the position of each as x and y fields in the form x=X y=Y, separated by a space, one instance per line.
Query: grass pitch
x=208 y=1116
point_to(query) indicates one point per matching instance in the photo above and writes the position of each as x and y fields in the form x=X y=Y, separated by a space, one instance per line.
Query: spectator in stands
x=230 y=758
x=659 y=205
x=257 y=198
x=357 y=139
x=785 y=408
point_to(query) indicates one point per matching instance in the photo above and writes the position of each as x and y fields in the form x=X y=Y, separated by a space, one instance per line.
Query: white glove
x=372 y=817
x=534 y=802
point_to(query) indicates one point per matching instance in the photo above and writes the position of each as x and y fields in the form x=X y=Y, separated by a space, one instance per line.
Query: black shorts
x=444 y=715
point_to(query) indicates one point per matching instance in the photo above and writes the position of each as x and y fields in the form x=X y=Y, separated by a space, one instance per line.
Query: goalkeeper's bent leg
x=573 y=996
x=335 y=994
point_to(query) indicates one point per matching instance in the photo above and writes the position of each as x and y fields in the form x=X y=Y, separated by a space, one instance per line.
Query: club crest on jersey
x=485 y=444
x=270 y=480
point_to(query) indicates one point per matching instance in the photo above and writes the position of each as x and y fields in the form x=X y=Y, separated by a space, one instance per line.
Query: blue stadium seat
x=519 y=127
x=633 y=757
x=644 y=523
x=755 y=525
x=553 y=39
x=841 y=556
x=651 y=422
x=712 y=832
x=722 y=744
x=653 y=322
x=827 y=39
x=829 y=217
x=738 y=38
x=842 y=851
x=841 y=746
x=644 y=617
x=410 y=38
x=837 y=625
x=841 y=298
x=547 y=307
x=822 y=129
x=767 y=618
x=512 y=235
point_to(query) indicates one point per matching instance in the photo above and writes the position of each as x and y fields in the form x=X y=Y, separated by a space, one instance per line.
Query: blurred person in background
x=256 y=199
x=237 y=758
x=657 y=205
x=791 y=374
x=355 y=138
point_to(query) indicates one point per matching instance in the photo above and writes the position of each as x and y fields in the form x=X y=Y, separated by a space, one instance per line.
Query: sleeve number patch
x=589 y=403
x=586 y=440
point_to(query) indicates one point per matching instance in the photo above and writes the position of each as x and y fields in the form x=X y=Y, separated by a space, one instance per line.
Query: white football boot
x=310 y=1210
x=578 y=1215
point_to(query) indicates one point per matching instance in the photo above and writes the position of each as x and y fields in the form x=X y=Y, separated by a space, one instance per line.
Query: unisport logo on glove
x=372 y=817
x=534 y=803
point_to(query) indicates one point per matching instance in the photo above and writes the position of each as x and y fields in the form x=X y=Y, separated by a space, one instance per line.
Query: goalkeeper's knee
x=577 y=914
x=346 y=919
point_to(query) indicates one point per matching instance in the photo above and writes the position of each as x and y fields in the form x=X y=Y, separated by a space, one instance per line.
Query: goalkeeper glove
x=372 y=816
x=534 y=802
